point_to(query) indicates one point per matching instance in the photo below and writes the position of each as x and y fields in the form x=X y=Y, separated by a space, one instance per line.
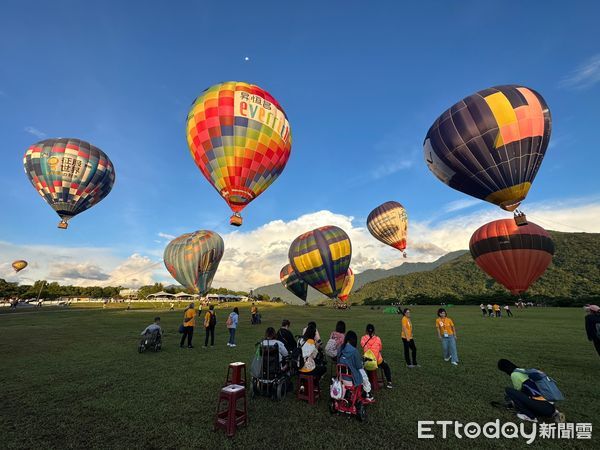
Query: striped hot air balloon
x=388 y=223
x=515 y=256
x=19 y=265
x=70 y=174
x=321 y=258
x=293 y=283
x=490 y=145
x=239 y=137
x=193 y=258
x=348 y=285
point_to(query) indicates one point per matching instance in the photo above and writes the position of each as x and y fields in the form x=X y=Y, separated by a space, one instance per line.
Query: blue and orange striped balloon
x=321 y=258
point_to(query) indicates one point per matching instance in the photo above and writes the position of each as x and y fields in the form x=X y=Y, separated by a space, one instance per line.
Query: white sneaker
x=526 y=418
x=232 y=345
x=448 y=358
x=454 y=363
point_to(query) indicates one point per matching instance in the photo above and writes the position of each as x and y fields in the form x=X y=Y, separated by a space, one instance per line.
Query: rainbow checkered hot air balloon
x=239 y=137
x=193 y=258
x=321 y=258
x=70 y=174
x=490 y=145
x=293 y=283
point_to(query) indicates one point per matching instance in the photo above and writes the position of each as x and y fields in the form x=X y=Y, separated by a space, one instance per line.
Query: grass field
x=73 y=379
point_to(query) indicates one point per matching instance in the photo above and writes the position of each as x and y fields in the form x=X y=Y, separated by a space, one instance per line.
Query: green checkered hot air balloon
x=193 y=258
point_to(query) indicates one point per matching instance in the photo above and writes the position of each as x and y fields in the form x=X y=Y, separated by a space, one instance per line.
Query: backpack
x=331 y=349
x=213 y=319
x=545 y=385
x=370 y=360
x=296 y=356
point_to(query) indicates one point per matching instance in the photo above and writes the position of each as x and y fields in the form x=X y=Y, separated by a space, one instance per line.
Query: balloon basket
x=520 y=218
x=63 y=225
x=235 y=220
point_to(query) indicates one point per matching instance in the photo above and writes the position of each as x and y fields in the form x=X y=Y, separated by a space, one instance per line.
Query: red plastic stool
x=311 y=391
x=231 y=416
x=234 y=374
x=376 y=382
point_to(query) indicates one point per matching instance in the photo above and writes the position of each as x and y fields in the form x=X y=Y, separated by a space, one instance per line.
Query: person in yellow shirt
x=447 y=334
x=189 y=320
x=210 y=321
x=408 y=340
x=497 y=310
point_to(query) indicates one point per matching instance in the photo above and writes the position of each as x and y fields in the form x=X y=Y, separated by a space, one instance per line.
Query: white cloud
x=458 y=205
x=37 y=133
x=166 y=236
x=390 y=168
x=253 y=258
x=585 y=76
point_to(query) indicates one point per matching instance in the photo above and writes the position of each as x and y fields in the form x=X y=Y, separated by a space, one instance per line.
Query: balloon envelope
x=70 y=174
x=321 y=258
x=293 y=283
x=348 y=285
x=490 y=145
x=515 y=256
x=19 y=265
x=388 y=223
x=193 y=258
x=239 y=137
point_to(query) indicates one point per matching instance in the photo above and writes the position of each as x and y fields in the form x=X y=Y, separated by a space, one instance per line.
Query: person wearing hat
x=592 y=325
x=524 y=396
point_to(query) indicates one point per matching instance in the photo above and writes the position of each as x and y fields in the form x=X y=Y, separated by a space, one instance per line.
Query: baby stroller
x=272 y=380
x=352 y=400
x=150 y=341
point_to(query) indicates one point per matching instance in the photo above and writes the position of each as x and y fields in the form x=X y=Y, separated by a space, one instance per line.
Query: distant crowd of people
x=495 y=310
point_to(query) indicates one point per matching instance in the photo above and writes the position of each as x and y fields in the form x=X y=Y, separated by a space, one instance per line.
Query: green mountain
x=277 y=289
x=573 y=278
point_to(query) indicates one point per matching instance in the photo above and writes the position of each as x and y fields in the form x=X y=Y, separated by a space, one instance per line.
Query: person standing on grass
x=371 y=341
x=210 y=321
x=483 y=311
x=189 y=321
x=253 y=314
x=232 y=323
x=592 y=325
x=447 y=335
x=490 y=310
x=172 y=306
x=497 y=310
x=508 y=311
x=408 y=340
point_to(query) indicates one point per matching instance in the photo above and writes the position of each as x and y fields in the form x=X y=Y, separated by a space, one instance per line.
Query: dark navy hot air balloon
x=490 y=145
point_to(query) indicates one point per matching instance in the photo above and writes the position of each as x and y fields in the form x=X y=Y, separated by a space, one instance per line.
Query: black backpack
x=213 y=319
x=296 y=356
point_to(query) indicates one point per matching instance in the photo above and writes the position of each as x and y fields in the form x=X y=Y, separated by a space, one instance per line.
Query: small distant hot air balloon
x=19 y=265
x=388 y=223
x=239 y=137
x=193 y=258
x=70 y=174
x=348 y=285
x=490 y=145
x=321 y=258
x=515 y=256
x=293 y=283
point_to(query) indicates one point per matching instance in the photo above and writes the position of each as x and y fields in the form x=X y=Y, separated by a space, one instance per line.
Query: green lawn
x=73 y=379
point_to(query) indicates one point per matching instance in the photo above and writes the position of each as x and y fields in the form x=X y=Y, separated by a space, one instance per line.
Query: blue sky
x=361 y=84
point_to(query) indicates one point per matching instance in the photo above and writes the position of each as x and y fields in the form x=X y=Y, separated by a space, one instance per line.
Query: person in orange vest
x=408 y=340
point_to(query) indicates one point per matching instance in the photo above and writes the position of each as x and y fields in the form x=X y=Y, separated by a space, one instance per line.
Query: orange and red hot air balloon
x=240 y=139
x=515 y=256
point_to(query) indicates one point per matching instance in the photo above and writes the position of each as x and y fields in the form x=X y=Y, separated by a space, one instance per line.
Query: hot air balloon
x=293 y=283
x=348 y=285
x=19 y=265
x=70 y=174
x=321 y=258
x=490 y=145
x=239 y=137
x=388 y=223
x=515 y=256
x=193 y=258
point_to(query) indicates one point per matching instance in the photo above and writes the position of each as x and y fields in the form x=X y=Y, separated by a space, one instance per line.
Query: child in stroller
x=151 y=337
x=270 y=372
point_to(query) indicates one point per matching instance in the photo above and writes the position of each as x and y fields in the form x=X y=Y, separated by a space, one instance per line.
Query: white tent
x=161 y=294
